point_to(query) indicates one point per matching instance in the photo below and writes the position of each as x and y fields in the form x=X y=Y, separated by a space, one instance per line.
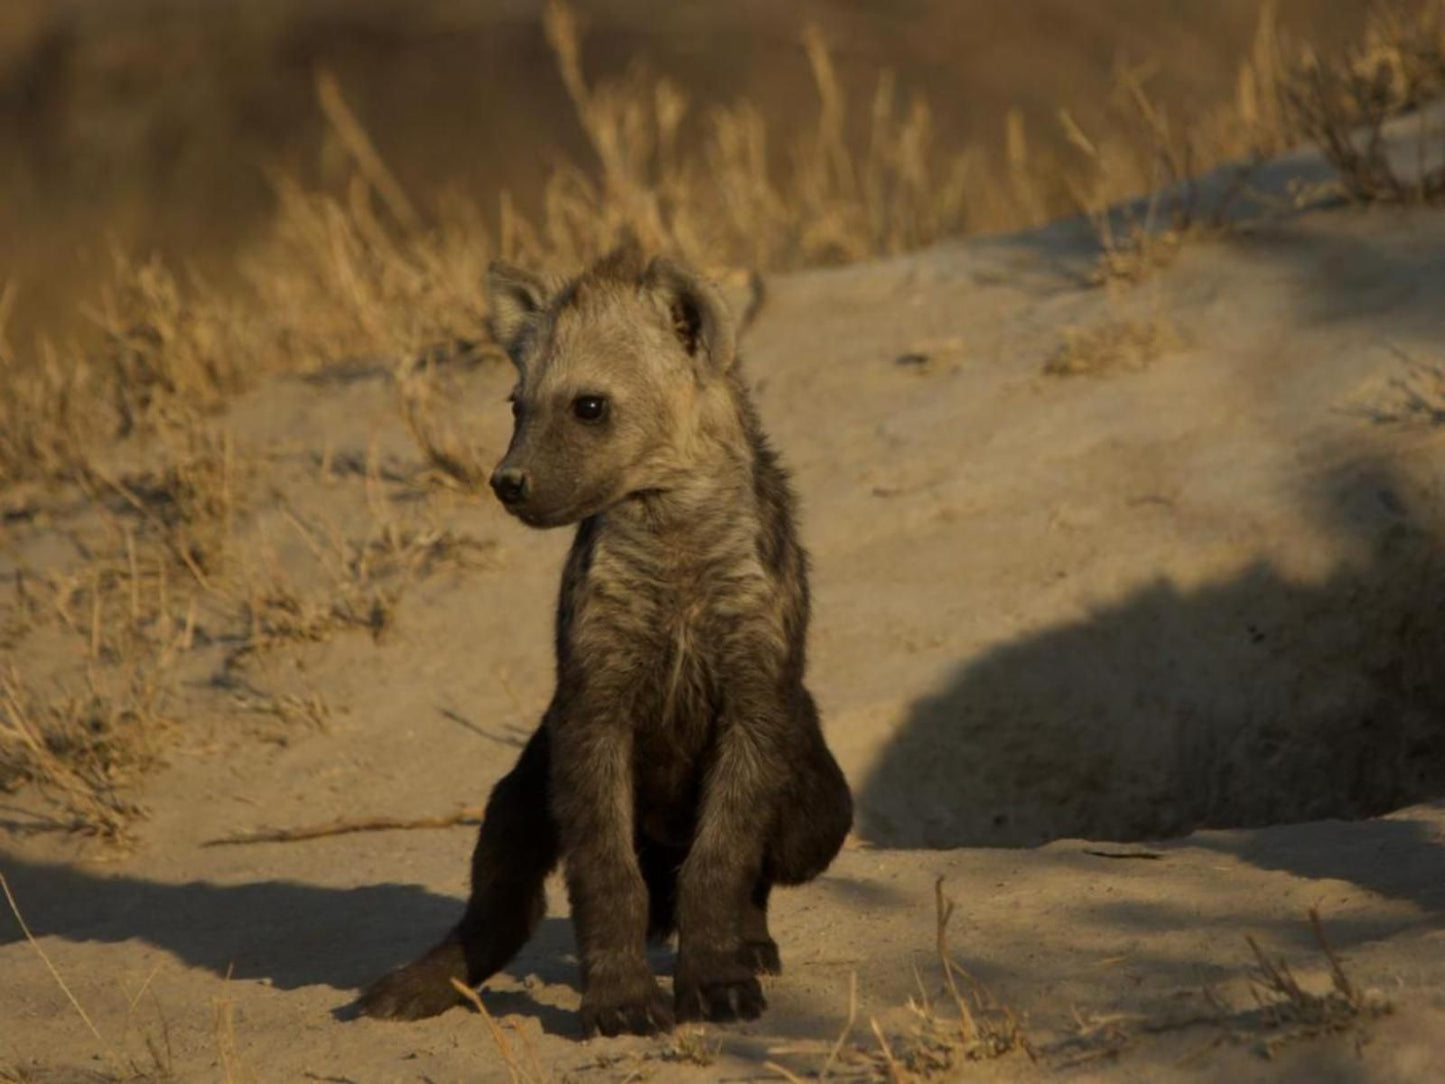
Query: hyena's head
x=623 y=375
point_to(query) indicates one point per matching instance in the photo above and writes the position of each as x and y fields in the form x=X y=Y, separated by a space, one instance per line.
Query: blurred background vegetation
x=162 y=126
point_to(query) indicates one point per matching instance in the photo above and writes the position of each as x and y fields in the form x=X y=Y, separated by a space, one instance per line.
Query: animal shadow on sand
x=285 y=932
x=1259 y=701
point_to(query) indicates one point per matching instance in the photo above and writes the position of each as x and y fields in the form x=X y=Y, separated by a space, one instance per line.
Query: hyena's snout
x=512 y=485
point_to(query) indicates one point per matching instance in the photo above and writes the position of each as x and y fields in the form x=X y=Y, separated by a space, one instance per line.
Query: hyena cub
x=679 y=772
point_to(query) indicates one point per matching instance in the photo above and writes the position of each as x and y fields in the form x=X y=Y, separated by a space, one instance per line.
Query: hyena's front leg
x=593 y=802
x=714 y=979
x=516 y=849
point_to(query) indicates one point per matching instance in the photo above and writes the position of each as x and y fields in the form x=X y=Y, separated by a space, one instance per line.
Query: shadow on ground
x=1259 y=701
x=284 y=932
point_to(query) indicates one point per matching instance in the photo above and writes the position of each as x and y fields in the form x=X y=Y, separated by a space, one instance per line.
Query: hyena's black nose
x=511 y=485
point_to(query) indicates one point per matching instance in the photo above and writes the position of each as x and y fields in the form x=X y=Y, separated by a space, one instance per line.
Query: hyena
x=680 y=771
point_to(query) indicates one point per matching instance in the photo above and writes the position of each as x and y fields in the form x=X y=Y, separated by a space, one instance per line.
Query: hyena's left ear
x=514 y=298
x=699 y=315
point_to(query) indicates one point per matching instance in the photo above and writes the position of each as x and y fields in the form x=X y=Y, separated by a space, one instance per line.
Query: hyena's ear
x=514 y=298
x=699 y=315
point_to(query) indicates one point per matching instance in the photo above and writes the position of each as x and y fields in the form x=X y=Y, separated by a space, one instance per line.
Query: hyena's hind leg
x=516 y=849
x=815 y=812
x=815 y=807
x=758 y=951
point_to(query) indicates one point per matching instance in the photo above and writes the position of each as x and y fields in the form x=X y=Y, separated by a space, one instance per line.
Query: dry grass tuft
x=162 y=344
x=1291 y=1012
x=190 y=501
x=736 y=202
x=82 y=751
x=964 y=1022
x=1119 y=345
x=692 y=1046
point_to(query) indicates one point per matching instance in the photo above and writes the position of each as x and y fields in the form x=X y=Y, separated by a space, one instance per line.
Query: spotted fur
x=680 y=770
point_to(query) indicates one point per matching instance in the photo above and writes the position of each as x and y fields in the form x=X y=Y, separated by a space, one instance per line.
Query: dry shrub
x=1342 y=103
x=1146 y=150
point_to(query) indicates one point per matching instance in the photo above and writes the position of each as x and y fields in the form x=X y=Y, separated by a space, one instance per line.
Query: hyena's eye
x=589 y=408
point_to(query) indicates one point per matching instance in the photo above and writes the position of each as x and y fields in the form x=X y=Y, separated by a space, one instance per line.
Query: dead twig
x=346 y=826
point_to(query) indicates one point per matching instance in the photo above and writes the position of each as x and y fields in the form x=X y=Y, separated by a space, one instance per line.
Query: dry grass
x=452 y=461
x=168 y=566
x=81 y=751
x=1150 y=151
x=1288 y=1011
x=1282 y=1010
x=370 y=275
x=158 y=1062
x=1286 y=94
x=228 y=1049
x=1121 y=344
x=524 y=1067
x=962 y=1022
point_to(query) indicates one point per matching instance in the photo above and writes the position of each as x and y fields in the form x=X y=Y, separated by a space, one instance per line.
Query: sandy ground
x=1188 y=612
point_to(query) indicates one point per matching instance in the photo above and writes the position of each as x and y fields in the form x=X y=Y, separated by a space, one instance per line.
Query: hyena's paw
x=413 y=992
x=730 y=992
x=634 y=1007
x=761 y=957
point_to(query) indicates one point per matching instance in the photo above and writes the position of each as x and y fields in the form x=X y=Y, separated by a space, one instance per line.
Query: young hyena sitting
x=680 y=771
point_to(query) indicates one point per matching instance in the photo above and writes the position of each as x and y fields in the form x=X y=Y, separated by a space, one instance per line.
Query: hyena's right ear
x=514 y=298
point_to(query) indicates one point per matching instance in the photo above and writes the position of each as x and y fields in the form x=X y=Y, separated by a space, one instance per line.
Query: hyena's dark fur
x=680 y=771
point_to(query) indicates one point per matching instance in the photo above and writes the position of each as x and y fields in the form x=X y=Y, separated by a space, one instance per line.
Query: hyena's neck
x=696 y=508
x=706 y=502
